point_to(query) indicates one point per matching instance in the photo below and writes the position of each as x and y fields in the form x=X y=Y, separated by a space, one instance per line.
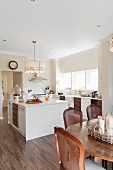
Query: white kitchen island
x=36 y=120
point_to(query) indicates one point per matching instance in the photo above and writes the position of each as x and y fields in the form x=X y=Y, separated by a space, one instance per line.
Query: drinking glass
x=101 y=124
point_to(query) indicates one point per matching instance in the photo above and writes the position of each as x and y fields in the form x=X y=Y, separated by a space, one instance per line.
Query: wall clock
x=13 y=65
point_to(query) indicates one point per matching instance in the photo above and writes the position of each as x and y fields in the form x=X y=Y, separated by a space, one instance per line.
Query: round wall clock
x=13 y=65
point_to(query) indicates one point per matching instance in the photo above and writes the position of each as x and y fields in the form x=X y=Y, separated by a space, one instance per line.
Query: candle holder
x=94 y=132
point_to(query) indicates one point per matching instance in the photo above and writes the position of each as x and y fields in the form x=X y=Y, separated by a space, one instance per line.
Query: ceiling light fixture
x=34 y=66
x=111 y=43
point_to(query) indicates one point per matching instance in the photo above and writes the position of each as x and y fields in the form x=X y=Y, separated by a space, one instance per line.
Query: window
x=78 y=80
x=92 y=79
x=84 y=80
x=65 y=81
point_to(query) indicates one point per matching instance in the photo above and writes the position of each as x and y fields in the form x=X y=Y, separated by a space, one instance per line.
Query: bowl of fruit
x=34 y=101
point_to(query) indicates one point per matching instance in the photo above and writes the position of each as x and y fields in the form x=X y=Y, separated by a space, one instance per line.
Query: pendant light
x=34 y=66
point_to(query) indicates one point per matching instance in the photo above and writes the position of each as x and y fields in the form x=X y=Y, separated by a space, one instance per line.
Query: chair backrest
x=70 y=150
x=72 y=116
x=93 y=111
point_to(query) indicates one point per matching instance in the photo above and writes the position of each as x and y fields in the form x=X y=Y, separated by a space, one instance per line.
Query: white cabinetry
x=70 y=100
x=37 y=120
x=84 y=103
x=10 y=118
x=21 y=120
x=54 y=96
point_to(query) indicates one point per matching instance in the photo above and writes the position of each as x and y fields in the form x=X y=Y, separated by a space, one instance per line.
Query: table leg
x=91 y=157
x=104 y=164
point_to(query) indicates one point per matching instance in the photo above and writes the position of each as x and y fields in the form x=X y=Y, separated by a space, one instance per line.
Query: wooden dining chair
x=72 y=116
x=93 y=111
x=71 y=152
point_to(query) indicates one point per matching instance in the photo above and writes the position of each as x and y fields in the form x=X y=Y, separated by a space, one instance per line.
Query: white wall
x=9 y=80
x=17 y=78
x=55 y=74
x=81 y=61
x=106 y=77
x=100 y=71
x=4 y=58
x=4 y=61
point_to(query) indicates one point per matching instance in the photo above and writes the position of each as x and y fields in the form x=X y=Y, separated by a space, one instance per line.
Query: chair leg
x=91 y=157
x=104 y=164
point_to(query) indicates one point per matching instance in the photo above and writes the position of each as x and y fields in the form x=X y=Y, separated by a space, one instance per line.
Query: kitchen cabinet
x=77 y=103
x=54 y=96
x=15 y=114
x=37 y=120
x=62 y=97
x=70 y=101
x=10 y=116
x=21 y=119
x=84 y=103
x=81 y=104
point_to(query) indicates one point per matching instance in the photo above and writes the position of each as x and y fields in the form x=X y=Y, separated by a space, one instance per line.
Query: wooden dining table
x=93 y=147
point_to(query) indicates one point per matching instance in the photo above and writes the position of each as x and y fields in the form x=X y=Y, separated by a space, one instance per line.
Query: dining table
x=93 y=147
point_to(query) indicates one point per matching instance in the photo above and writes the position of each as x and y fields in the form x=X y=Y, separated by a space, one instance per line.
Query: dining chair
x=93 y=111
x=71 y=151
x=72 y=116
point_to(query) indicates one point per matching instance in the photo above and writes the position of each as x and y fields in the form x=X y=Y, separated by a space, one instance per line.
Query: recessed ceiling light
x=98 y=25
x=4 y=40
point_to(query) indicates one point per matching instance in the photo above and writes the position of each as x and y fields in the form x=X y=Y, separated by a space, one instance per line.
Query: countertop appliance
x=94 y=94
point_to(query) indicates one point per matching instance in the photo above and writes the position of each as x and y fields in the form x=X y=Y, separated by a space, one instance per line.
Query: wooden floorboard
x=17 y=154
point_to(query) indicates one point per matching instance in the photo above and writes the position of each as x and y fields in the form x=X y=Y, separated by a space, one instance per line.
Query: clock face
x=13 y=65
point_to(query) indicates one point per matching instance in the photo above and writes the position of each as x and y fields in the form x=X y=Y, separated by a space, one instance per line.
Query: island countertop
x=36 y=120
x=50 y=102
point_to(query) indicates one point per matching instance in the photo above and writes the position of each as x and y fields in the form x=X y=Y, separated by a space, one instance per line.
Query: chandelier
x=111 y=43
x=34 y=66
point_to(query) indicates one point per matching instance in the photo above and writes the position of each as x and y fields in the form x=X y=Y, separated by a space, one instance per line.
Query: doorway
x=4 y=90
x=9 y=80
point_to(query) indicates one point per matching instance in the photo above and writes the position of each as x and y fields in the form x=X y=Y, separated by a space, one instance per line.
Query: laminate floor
x=16 y=154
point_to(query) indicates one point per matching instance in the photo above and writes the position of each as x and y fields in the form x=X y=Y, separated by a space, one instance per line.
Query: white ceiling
x=60 y=27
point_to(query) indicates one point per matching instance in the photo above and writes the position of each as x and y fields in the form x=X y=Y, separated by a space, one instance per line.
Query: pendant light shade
x=111 y=43
x=34 y=66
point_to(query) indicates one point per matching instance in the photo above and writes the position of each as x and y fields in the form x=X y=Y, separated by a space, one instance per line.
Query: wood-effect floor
x=16 y=154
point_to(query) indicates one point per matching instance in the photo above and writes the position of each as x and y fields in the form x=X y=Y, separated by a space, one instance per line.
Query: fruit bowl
x=34 y=101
